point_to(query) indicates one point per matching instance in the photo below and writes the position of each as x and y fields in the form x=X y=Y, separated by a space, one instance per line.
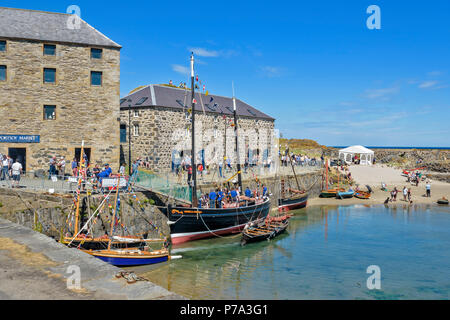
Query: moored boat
x=443 y=201
x=362 y=194
x=292 y=203
x=345 y=194
x=187 y=224
x=193 y=223
x=130 y=257
x=264 y=231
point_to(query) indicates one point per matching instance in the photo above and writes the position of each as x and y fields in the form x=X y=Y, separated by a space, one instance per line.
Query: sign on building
x=7 y=138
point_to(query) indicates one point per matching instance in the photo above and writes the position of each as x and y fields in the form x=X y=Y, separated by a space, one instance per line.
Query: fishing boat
x=345 y=194
x=268 y=230
x=128 y=256
x=194 y=222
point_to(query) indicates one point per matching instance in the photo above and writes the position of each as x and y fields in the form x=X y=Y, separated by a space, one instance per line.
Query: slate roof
x=48 y=26
x=163 y=96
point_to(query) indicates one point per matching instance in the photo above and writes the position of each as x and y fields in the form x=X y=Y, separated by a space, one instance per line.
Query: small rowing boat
x=443 y=201
x=362 y=195
x=345 y=194
x=266 y=231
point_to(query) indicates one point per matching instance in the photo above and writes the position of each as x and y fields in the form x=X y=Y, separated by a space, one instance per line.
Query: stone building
x=160 y=120
x=59 y=85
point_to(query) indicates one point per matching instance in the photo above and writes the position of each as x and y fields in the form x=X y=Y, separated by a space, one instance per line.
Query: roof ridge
x=41 y=11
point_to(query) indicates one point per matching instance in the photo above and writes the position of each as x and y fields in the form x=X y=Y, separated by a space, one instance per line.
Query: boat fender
x=175 y=257
x=170 y=222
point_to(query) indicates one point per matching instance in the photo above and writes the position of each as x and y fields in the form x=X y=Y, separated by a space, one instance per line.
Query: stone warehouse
x=59 y=85
x=160 y=121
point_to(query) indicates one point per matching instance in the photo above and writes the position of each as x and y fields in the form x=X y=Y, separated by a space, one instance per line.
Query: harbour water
x=324 y=255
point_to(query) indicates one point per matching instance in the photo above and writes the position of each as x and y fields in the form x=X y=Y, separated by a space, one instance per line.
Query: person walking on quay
x=52 y=169
x=220 y=168
x=74 y=167
x=428 y=188
x=5 y=164
x=405 y=193
x=62 y=167
x=16 y=170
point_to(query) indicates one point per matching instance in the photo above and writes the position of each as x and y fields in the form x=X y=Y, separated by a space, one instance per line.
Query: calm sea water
x=324 y=255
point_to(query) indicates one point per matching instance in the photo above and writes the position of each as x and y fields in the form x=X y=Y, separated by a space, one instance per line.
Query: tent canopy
x=347 y=154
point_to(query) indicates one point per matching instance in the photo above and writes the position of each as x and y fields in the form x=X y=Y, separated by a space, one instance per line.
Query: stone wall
x=83 y=112
x=163 y=130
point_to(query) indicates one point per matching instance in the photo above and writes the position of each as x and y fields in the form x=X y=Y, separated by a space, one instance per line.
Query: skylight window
x=141 y=101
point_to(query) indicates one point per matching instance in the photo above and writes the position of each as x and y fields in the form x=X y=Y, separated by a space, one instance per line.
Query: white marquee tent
x=366 y=155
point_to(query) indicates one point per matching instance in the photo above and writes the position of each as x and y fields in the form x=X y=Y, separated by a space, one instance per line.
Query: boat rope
x=212 y=232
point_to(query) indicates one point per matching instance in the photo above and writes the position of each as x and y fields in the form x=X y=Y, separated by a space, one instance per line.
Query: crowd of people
x=231 y=197
x=299 y=160
x=10 y=170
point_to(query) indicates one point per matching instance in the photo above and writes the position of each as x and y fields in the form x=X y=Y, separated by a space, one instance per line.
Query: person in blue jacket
x=212 y=199
x=220 y=196
x=264 y=191
x=248 y=193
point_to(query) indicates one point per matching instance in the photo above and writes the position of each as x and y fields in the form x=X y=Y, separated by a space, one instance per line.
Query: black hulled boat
x=193 y=223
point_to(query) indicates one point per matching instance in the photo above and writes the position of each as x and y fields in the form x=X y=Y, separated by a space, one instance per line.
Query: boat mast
x=237 y=141
x=193 y=155
x=293 y=170
x=113 y=220
x=80 y=180
x=326 y=177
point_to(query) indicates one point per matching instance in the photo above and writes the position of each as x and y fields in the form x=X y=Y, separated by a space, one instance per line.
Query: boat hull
x=118 y=260
x=344 y=195
x=362 y=195
x=188 y=224
x=247 y=237
x=288 y=204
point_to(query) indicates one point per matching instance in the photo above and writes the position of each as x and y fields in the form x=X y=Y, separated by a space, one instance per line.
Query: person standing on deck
x=220 y=196
x=212 y=199
x=189 y=170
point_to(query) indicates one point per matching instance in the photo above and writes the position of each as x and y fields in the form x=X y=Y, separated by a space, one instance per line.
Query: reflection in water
x=323 y=255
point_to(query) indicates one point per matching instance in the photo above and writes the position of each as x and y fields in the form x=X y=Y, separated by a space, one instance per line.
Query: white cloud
x=271 y=71
x=381 y=93
x=180 y=69
x=202 y=52
x=427 y=84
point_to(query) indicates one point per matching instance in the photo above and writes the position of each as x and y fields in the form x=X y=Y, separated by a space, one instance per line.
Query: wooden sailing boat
x=329 y=193
x=297 y=198
x=81 y=239
x=128 y=256
x=193 y=223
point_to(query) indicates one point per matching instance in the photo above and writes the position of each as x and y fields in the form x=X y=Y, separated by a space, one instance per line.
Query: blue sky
x=312 y=65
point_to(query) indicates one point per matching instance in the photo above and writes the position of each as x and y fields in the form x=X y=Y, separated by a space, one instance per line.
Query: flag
x=207 y=93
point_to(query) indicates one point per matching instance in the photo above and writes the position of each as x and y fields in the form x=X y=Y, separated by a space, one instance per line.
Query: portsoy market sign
x=5 y=138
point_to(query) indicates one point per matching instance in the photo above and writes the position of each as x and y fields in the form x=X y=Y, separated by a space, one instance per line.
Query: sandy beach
x=375 y=175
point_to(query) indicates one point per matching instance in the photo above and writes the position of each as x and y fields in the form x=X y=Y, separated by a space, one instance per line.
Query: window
x=49 y=112
x=136 y=130
x=3 y=73
x=49 y=49
x=136 y=113
x=96 y=78
x=96 y=53
x=49 y=75
x=141 y=101
x=2 y=45
x=123 y=133
x=122 y=100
